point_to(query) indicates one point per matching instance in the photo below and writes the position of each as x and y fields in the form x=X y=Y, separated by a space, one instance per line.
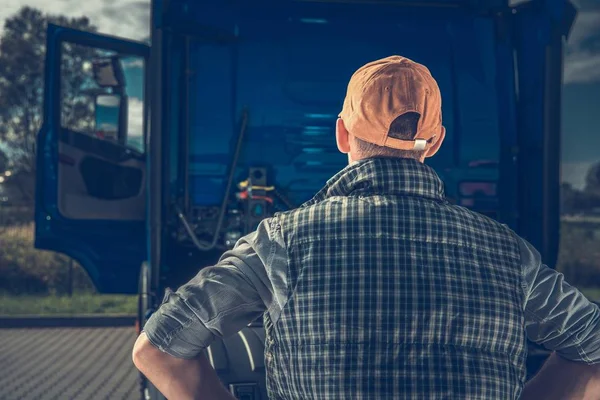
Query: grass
x=23 y=231
x=89 y=303
x=79 y=304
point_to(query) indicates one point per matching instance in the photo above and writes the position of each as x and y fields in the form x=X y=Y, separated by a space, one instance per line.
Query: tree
x=579 y=256
x=592 y=181
x=575 y=201
x=4 y=162
x=22 y=54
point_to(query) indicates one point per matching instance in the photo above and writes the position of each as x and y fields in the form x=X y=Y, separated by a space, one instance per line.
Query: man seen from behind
x=378 y=287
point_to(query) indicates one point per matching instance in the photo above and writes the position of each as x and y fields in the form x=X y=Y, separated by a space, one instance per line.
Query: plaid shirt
x=379 y=288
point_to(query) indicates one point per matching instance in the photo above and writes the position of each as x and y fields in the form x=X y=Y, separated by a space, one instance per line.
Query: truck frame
x=237 y=101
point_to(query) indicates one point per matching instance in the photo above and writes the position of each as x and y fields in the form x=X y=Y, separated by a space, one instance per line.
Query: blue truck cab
x=181 y=147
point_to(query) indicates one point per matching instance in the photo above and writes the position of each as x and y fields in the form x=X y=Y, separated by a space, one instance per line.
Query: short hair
x=404 y=127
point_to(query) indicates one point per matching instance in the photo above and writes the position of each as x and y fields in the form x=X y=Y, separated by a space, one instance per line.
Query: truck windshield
x=291 y=74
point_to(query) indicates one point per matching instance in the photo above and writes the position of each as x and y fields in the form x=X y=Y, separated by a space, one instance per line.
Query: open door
x=91 y=157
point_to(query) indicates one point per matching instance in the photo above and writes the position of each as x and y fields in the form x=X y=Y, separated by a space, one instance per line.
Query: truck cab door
x=91 y=158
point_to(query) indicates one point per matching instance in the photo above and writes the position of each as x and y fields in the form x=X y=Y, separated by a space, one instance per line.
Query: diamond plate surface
x=67 y=364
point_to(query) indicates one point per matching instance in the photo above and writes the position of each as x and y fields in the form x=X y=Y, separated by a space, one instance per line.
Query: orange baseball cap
x=381 y=91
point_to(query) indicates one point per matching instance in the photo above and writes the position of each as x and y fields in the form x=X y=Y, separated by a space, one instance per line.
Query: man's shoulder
x=310 y=207
x=477 y=218
x=312 y=213
x=481 y=228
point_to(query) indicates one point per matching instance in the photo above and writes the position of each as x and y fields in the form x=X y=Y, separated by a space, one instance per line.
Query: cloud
x=126 y=18
x=108 y=101
x=575 y=173
x=582 y=61
x=582 y=67
x=133 y=62
x=106 y=127
x=136 y=117
x=586 y=24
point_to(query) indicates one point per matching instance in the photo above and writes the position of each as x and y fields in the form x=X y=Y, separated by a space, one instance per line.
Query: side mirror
x=111 y=117
x=108 y=72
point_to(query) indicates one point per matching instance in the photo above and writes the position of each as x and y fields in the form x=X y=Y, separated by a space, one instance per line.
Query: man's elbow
x=144 y=353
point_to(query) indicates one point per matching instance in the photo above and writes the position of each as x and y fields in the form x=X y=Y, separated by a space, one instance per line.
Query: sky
x=581 y=95
x=126 y=18
x=581 y=92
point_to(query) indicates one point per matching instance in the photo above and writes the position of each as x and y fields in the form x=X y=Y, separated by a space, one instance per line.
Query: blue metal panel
x=111 y=251
x=507 y=123
x=293 y=84
x=539 y=34
x=218 y=13
x=289 y=64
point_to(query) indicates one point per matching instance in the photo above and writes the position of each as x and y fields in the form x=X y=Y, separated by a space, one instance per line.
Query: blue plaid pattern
x=396 y=294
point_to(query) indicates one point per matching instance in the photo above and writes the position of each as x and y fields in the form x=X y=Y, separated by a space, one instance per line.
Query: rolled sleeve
x=557 y=315
x=219 y=301
x=175 y=329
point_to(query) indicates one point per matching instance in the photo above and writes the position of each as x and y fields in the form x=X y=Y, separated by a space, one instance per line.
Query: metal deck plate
x=67 y=363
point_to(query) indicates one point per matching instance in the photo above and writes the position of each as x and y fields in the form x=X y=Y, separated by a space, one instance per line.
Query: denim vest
x=396 y=294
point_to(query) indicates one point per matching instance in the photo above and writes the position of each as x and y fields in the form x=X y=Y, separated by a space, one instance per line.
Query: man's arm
x=178 y=378
x=560 y=318
x=219 y=301
x=561 y=379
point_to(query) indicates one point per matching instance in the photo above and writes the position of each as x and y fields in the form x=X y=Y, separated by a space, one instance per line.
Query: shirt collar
x=383 y=176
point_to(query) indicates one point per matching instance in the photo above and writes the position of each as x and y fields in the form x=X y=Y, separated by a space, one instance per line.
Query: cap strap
x=399 y=144
x=420 y=144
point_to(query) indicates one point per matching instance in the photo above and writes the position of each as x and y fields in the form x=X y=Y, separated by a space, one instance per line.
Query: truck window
x=579 y=254
x=101 y=157
x=293 y=86
x=91 y=105
x=77 y=87
x=134 y=69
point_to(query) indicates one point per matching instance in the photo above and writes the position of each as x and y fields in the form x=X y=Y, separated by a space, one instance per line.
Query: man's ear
x=438 y=143
x=342 y=137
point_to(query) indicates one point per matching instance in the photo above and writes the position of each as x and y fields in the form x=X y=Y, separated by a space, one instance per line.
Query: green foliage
x=592 y=181
x=22 y=54
x=575 y=201
x=24 y=269
x=579 y=256
x=79 y=304
x=15 y=218
x=35 y=282
x=4 y=161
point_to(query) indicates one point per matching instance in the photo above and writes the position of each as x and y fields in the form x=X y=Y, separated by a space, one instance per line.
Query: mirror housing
x=110 y=110
x=108 y=72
